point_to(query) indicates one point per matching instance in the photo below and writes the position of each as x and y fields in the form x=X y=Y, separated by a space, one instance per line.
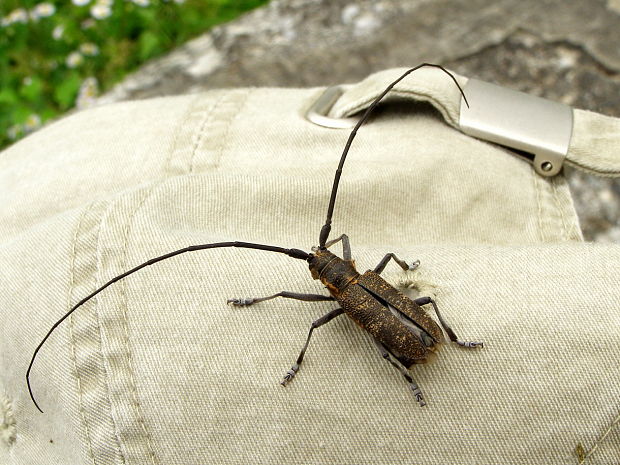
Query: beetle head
x=319 y=260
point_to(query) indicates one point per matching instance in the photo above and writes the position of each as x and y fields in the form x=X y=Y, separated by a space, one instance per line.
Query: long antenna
x=295 y=253
x=323 y=236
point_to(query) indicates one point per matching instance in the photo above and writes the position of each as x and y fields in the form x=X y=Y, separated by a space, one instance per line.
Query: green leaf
x=8 y=96
x=48 y=113
x=66 y=91
x=149 y=44
x=32 y=91
x=21 y=113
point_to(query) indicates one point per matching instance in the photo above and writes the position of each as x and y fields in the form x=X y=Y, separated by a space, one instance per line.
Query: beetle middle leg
x=383 y=263
x=289 y=295
x=315 y=324
x=412 y=384
x=469 y=344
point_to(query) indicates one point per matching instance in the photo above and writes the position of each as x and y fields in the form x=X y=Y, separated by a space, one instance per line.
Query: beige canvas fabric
x=159 y=370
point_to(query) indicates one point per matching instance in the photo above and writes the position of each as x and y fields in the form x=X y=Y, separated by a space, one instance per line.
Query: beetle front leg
x=315 y=324
x=383 y=263
x=470 y=345
x=346 y=246
x=243 y=302
x=412 y=384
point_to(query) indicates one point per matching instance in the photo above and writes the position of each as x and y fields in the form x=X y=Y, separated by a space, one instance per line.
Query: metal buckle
x=319 y=110
x=537 y=129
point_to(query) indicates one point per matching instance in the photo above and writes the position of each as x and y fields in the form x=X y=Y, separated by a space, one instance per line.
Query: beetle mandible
x=401 y=329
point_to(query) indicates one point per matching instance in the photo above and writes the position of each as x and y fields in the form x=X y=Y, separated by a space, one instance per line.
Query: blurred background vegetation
x=56 y=55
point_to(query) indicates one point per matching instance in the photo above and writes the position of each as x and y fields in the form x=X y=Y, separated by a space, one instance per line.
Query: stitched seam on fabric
x=101 y=392
x=550 y=218
x=568 y=206
x=214 y=138
x=201 y=131
x=224 y=139
x=104 y=367
x=560 y=208
x=538 y=204
x=72 y=337
x=177 y=135
x=601 y=438
x=124 y=306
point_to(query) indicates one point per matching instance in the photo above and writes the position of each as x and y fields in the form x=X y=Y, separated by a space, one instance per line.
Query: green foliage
x=60 y=53
x=66 y=91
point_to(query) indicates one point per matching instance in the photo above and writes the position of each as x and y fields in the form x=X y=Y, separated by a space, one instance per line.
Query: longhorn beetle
x=401 y=329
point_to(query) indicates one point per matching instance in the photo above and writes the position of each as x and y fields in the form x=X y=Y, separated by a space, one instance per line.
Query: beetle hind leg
x=412 y=384
x=468 y=344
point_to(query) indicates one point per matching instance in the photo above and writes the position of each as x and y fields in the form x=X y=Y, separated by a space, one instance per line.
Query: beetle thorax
x=332 y=270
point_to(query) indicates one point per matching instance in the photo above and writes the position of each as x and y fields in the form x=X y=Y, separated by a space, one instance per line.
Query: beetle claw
x=418 y=395
x=240 y=302
x=290 y=375
x=470 y=344
x=414 y=265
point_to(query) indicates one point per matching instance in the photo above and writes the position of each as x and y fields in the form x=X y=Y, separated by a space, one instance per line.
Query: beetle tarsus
x=240 y=302
x=290 y=375
x=418 y=394
x=470 y=344
x=414 y=265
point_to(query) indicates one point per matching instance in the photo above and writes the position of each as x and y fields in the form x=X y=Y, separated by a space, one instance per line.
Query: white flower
x=80 y=2
x=27 y=81
x=141 y=2
x=89 y=49
x=87 y=93
x=14 y=131
x=74 y=59
x=58 y=32
x=32 y=123
x=43 y=10
x=100 y=11
x=16 y=16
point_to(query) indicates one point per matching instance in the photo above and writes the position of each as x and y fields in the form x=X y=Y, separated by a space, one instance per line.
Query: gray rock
x=565 y=51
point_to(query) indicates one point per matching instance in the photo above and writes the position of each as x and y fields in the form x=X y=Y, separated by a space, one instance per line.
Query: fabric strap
x=593 y=146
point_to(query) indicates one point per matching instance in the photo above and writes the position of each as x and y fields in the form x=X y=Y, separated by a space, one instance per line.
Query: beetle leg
x=383 y=263
x=315 y=324
x=346 y=246
x=412 y=384
x=469 y=344
x=289 y=295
